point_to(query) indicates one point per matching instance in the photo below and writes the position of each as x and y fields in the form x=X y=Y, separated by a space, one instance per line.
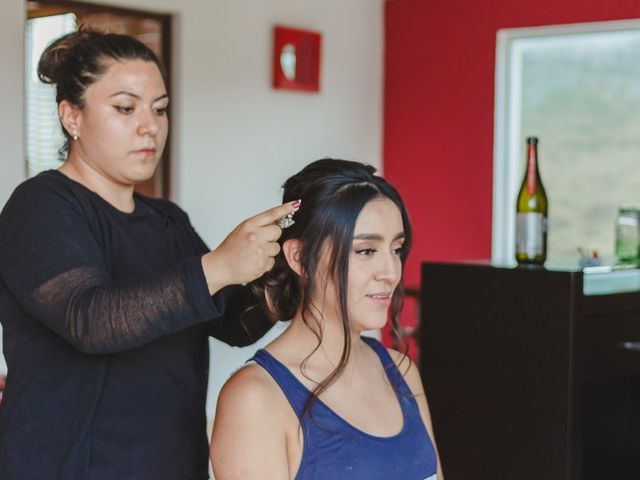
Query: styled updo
x=75 y=61
x=333 y=193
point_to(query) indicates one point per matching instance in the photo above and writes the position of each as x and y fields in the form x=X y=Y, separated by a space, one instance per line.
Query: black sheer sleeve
x=52 y=263
x=243 y=321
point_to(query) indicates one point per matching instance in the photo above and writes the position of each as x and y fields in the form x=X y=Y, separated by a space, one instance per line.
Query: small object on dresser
x=589 y=258
x=628 y=235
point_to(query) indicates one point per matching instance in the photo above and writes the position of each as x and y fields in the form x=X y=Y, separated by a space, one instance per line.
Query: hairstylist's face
x=123 y=126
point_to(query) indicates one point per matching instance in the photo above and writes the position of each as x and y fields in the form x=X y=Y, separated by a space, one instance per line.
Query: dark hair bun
x=55 y=55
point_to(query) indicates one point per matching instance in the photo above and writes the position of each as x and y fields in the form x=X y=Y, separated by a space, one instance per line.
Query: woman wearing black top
x=107 y=297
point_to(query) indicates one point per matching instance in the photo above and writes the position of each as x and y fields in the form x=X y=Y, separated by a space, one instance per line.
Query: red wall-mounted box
x=296 y=59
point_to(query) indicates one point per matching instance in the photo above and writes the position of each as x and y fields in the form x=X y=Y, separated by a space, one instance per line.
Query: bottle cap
x=532 y=140
x=629 y=211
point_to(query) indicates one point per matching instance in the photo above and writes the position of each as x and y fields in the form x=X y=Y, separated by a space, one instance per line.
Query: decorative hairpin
x=286 y=222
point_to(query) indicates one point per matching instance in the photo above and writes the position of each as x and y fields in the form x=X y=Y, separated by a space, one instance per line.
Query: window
x=44 y=137
x=577 y=88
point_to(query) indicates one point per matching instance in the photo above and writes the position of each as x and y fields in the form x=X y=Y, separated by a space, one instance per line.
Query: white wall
x=235 y=139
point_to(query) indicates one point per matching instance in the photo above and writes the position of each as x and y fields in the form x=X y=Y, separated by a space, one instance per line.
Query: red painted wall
x=438 y=114
x=438 y=111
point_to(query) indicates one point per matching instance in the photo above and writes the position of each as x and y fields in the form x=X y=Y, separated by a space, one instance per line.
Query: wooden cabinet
x=532 y=373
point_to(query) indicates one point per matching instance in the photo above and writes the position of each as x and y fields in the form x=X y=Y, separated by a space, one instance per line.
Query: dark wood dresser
x=532 y=373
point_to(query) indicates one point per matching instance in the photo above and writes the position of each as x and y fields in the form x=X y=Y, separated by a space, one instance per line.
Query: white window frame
x=508 y=152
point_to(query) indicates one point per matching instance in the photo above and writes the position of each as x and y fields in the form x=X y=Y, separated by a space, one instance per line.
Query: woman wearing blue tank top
x=320 y=401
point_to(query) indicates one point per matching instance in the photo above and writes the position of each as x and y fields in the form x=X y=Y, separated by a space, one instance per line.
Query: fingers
x=272 y=249
x=273 y=214
x=268 y=233
x=265 y=241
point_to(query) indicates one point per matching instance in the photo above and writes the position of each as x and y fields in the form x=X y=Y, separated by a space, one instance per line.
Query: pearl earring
x=75 y=135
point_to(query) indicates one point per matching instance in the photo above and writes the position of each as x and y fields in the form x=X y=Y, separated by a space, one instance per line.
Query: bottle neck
x=532 y=170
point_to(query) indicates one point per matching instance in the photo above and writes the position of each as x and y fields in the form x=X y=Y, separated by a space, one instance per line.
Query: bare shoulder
x=250 y=390
x=248 y=438
x=409 y=371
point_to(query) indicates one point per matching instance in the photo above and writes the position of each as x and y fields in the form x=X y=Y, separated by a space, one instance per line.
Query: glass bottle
x=627 y=235
x=531 y=212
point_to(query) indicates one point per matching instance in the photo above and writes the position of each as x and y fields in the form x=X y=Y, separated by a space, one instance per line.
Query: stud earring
x=75 y=136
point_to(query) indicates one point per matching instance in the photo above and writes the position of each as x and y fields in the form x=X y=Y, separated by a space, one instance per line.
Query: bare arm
x=412 y=377
x=249 y=438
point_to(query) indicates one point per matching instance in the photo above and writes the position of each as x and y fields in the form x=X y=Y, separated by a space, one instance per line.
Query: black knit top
x=106 y=317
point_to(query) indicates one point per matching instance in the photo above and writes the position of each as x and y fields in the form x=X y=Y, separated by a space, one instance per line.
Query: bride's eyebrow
x=376 y=236
x=367 y=236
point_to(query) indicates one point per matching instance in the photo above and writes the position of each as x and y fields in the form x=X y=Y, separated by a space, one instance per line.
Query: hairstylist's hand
x=248 y=250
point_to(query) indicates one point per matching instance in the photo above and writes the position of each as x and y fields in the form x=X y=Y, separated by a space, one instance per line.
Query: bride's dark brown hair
x=333 y=193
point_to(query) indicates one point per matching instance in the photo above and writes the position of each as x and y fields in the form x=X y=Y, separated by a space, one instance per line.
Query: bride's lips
x=381 y=298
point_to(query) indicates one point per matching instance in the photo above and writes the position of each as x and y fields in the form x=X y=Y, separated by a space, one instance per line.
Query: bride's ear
x=292 y=250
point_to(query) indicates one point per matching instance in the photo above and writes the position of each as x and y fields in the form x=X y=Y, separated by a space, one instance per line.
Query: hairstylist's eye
x=124 y=110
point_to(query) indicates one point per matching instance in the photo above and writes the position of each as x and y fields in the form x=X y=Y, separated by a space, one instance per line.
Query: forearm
x=98 y=316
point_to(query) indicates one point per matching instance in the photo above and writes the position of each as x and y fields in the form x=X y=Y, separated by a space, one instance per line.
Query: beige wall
x=235 y=138
x=11 y=114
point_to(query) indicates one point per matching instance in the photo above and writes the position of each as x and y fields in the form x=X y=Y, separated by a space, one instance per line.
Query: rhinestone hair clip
x=286 y=221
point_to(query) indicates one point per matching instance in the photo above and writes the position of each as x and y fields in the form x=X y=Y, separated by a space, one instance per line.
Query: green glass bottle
x=531 y=212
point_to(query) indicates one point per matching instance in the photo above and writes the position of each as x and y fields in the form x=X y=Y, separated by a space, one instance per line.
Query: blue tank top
x=334 y=449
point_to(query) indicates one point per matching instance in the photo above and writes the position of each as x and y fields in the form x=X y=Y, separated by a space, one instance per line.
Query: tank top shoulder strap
x=390 y=367
x=297 y=394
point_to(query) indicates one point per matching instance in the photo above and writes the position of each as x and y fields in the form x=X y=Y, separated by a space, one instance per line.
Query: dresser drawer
x=608 y=345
